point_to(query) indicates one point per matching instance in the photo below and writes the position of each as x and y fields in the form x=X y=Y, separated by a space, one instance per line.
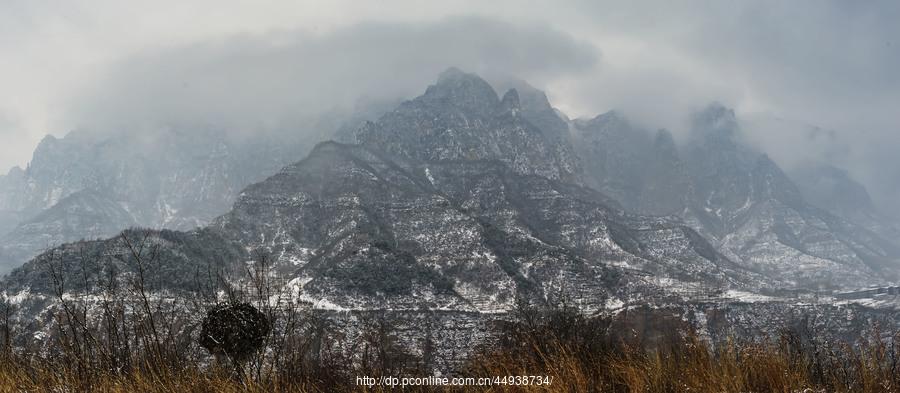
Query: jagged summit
x=664 y=140
x=532 y=99
x=716 y=112
x=833 y=189
x=461 y=118
x=46 y=148
x=510 y=102
x=454 y=74
x=85 y=214
x=611 y=119
x=15 y=172
x=326 y=147
x=733 y=194
x=47 y=140
x=177 y=179
x=536 y=108
x=774 y=183
x=464 y=91
x=620 y=161
x=716 y=121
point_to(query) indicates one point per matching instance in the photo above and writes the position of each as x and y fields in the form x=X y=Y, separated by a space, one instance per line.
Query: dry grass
x=689 y=367
x=685 y=363
x=17 y=377
x=580 y=354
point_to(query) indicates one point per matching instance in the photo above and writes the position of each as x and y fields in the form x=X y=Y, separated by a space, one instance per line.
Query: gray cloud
x=828 y=64
x=8 y=130
x=825 y=63
x=265 y=81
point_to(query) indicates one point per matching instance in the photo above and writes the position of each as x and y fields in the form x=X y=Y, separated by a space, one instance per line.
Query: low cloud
x=8 y=131
x=826 y=64
x=271 y=81
x=831 y=64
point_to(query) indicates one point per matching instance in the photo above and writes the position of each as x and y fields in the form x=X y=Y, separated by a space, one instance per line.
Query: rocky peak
x=15 y=172
x=535 y=107
x=461 y=118
x=774 y=183
x=46 y=147
x=716 y=123
x=715 y=148
x=663 y=141
x=47 y=140
x=604 y=122
x=616 y=157
x=532 y=99
x=833 y=189
x=510 y=102
x=464 y=91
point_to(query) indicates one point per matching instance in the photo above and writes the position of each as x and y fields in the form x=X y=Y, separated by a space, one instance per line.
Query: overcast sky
x=261 y=63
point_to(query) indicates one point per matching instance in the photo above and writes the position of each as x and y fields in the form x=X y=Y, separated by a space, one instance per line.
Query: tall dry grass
x=578 y=357
x=581 y=360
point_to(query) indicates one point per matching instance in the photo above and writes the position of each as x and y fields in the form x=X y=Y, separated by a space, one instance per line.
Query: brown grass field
x=578 y=352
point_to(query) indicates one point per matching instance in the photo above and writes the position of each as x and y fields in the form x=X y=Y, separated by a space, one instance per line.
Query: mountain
x=453 y=201
x=357 y=229
x=459 y=203
x=87 y=185
x=85 y=214
x=819 y=169
x=735 y=196
x=462 y=118
x=758 y=215
x=535 y=107
x=90 y=186
x=640 y=169
x=94 y=185
x=10 y=213
x=834 y=189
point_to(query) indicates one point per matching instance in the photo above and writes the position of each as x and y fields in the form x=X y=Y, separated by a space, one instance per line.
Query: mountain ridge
x=725 y=191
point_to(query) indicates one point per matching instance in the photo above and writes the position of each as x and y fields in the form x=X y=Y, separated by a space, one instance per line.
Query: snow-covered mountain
x=91 y=185
x=734 y=195
x=462 y=201
x=748 y=219
x=452 y=201
x=834 y=189
x=85 y=186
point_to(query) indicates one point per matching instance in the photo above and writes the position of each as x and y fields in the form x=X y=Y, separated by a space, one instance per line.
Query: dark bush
x=237 y=330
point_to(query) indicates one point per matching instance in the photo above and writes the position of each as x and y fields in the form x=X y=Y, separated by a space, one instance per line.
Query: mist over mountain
x=258 y=68
x=457 y=198
x=738 y=198
x=91 y=185
x=460 y=201
x=439 y=174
